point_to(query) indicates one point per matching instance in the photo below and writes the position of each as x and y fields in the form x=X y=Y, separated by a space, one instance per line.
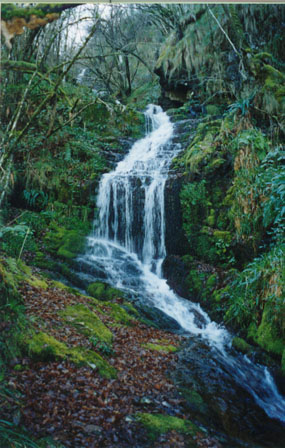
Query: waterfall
x=131 y=198
x=128 y=247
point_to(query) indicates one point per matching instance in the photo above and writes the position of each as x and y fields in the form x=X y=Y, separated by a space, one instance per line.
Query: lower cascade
x=127 y=250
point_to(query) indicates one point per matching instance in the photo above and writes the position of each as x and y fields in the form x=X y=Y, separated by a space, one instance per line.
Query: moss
x=119 y=314
x=18 y=367
x=24 y=268
x=267 y=335
x=82 y=356
x=44 y=347
x=194 y=282
x=202 y=148
x=194 y=400
x=251 y=331
x=211 y=109
x=62 y=286
x=131 y=309
x=8 y=283
x=73 y=244
x=112 y=293
x=160 y=424
x=96 y=289
x=241 y=345
x=103 y=291
x=37 y=282
x=223 y=235
x=160 y=348
x=13 y=272
x=64 y=243
x=87 y=322
x=211 y=218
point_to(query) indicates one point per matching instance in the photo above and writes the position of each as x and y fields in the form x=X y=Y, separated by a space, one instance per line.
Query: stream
x=127 y=250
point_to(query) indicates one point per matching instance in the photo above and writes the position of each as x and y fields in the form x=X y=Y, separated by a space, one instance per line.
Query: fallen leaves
x=78 y=407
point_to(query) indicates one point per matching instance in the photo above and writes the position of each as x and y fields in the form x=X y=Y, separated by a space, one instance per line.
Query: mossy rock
x=64 y=243
x=37 y=282
x=241 y=345
x=160 y=348
x=103 y=291
x=194 y=400
x=120 y=315
x=223 y=235
x=12 y=273
x=43 y=347
x=267 y=336
x=157 y=424
x=81 y=356
x=62 y=286
x=8 y=283
x=73 y=244
x=131 y=309
x=87 y=322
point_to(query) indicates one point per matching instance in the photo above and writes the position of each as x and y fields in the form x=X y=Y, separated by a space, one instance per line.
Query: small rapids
x=128 y=247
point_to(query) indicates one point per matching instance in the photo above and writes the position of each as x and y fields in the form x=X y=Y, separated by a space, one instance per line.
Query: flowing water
x=128 y=248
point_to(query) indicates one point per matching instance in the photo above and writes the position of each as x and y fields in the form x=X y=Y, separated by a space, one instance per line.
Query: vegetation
x=159 y=424
x=75 y=82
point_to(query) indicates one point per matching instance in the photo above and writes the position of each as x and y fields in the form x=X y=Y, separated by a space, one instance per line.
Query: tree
x=117 y=57
x=28 y=97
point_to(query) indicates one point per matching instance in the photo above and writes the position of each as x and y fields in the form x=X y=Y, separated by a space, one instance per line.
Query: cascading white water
x=141 y=176
x=128 y=248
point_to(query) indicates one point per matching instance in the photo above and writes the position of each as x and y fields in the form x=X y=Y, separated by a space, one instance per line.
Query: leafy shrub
x=35 y=199
x=271 y=180
x=12 y=239
x=260 y=283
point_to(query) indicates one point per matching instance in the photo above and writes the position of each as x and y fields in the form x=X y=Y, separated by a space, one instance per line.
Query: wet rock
x=176 y=273
x=175 y=239
x=213 y=395
x=156 y=317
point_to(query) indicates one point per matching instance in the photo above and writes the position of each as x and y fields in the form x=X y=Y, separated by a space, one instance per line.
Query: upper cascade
x=131 y=198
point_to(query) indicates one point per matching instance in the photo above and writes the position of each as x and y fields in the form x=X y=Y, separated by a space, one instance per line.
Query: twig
x=222 y=29
x=27 y=233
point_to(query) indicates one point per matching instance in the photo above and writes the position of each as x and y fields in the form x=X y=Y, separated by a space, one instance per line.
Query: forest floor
x=81 y=405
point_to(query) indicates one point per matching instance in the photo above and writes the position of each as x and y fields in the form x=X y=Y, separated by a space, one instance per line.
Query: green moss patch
x=160 y=348
x=103 y=291
x=267 y=335
x=87 y=322
x=241 y=345
x=160 y=424
x=43 y=347
x=64 y=243
x=37 y=282
x=12 y=273
x=194 y=400
x=82 y=356
x=119 y=314
x=62 y=286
